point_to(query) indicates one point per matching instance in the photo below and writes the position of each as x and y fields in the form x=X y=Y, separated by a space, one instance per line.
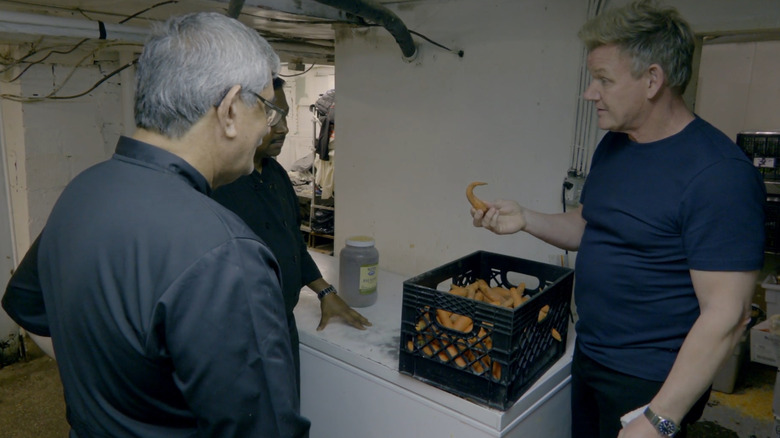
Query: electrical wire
x=156 y=5
x=53 y=93
x=47 y=55
x=98 y=83
x=298 y=74
x=441 y=46
x=457 y=52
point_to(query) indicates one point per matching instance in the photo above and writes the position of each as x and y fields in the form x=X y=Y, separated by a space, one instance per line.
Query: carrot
x=471 y=290
x=517 y=299
x=508 y=303
x=496 y=371
x=477 y=203
x=458 y=290
x=410 y=345
x=454 y=353
x=493 y=295
x=475 y=366
x=543 y=313
x=443 y=317
x=556 y=335
x=504 y=292
x=462 y=323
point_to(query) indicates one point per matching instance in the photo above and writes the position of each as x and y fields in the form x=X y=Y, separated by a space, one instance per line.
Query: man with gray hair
x=165 y=310
x=670 y=234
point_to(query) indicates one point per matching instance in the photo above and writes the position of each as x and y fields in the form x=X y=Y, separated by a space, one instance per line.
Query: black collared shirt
x=164 y=308
x=268 y=204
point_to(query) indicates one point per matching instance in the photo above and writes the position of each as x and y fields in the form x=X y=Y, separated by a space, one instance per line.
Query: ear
x=656 y=78
x=227 y=112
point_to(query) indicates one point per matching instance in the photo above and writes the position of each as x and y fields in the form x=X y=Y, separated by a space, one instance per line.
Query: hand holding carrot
x=501 y=217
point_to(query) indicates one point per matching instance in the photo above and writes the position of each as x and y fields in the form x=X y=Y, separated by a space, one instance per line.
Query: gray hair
x=648 y=34
x=189 y=64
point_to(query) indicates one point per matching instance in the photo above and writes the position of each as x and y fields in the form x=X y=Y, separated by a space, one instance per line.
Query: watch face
x=666 y=427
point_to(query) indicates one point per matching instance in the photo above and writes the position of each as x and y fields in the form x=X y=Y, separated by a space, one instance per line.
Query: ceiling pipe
x=32 y=24
x=376 y=13
x=234 y=8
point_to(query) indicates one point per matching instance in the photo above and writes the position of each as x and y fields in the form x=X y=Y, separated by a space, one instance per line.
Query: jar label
x=368 y=279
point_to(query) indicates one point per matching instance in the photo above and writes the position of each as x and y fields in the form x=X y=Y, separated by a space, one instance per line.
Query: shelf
x=323 y=249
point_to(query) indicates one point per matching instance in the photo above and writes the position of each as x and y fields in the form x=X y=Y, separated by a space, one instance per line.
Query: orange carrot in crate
x=493 y=295
x=556 y=335
x=410 y=345
x=543 y=314
x=502 y=291
x=517 y=299
x=457 y=357
x=477 y=203
x=462 y=323
x=471 y=290
x=443 y=317
x=496 y=371
x=458 y=290
x=476 y=366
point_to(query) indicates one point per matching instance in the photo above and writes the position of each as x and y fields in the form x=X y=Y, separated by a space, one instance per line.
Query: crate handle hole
x=516 y=278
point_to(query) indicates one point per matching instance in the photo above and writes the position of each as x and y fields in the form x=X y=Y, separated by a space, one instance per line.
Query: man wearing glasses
x=267 y=202
x=165 y=310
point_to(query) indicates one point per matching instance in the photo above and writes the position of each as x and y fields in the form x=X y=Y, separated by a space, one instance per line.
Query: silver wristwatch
x=328 y=290
x=664 y=426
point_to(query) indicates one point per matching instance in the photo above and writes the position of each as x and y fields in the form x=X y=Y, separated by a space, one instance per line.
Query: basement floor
x=32 y=406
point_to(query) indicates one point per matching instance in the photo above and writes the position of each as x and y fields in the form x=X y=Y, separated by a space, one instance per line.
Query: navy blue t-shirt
x=655 y=211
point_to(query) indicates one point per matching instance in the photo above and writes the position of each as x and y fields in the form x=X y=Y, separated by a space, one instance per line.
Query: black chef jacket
x=164 y=309
x=268 y=204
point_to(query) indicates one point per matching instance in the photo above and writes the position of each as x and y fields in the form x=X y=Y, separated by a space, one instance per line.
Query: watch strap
x=328 y=290
x=664 y=426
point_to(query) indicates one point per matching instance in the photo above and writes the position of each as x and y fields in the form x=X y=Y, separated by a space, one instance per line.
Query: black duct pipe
x=234 y=8
x=376 y=13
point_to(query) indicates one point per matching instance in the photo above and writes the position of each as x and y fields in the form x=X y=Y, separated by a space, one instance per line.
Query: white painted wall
x=412 y=136
x=739 y=88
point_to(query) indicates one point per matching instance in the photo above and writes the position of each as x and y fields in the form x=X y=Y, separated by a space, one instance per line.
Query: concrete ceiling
x=300 y=30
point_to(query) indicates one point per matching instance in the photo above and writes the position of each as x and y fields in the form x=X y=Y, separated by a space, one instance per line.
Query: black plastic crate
x=763 y=148
x=510 y=339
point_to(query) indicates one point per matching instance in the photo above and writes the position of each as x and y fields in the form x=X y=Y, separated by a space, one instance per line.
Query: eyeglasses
x=273 y=113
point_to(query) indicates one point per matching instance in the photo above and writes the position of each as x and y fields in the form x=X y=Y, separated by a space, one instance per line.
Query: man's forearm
x=705 y=349
x=563 y=230
x=724 y=300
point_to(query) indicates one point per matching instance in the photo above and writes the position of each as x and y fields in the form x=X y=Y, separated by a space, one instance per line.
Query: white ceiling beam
x=309 y=8
x=47 y=25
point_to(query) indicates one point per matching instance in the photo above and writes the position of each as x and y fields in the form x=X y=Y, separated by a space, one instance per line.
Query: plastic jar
x=358 y=266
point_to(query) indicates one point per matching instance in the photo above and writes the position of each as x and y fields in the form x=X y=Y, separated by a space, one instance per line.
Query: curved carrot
x=477 y=203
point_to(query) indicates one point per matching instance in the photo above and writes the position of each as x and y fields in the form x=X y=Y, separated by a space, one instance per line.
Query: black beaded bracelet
x=328 y=290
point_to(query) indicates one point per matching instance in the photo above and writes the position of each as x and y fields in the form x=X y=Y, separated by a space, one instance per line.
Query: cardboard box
x=772 y=295
x=764 y=345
